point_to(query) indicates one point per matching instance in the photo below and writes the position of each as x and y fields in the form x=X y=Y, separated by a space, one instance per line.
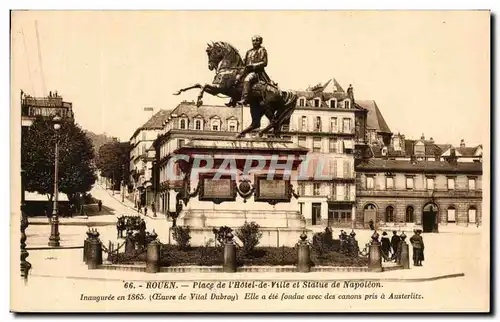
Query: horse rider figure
x=255 y=61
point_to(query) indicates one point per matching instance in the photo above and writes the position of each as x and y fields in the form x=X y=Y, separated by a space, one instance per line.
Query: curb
x=53 y=248
x=88 y=224
x=389 y=280
x=244 y=269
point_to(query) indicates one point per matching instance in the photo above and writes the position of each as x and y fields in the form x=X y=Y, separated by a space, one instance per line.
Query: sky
x=429 y=72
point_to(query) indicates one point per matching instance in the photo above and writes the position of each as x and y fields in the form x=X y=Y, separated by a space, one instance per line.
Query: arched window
x=389 y=214
x=451 y=214
x=183 y=124
x=472 y=214
x=197 y=124
x=410 y=214
x=370 y=207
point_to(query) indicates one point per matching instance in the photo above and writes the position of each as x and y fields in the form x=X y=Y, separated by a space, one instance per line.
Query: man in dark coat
x=385 y=247
x=395 y=241
x=372 y=224
x=417 y=243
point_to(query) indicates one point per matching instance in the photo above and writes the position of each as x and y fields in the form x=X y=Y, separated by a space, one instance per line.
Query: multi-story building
x=401 y=148
x=142 y=156
x=419 y=192
x=184 y=122
x=326 y=124
x=47 y=107
x=329 y=124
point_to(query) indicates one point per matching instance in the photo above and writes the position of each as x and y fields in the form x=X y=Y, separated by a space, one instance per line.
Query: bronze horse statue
x=265 y=99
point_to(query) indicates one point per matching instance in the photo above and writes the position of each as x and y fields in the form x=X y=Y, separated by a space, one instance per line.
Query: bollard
x=153 y=257
x=374 y=256
x=404 y=256
x=129 y=245
x=303 y=255
x=94 y=258
x=85 y=250
x=229 y=255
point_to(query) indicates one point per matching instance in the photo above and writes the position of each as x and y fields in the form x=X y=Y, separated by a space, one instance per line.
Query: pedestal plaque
x=272 y=191
x=217 y=190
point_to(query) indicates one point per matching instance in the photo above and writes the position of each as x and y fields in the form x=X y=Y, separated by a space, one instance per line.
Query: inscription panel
x=219 y=190
x=272 y=191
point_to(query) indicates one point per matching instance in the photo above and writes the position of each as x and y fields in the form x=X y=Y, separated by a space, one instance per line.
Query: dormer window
x=347 y=104
x=302 y=102
x=333 y=103
x=183 y=125
x=317 y=102
x=198 y=122
x=233 y=125
x=215 y=125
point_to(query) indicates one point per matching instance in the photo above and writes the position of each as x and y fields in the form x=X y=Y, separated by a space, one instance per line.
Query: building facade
x=142 y=155
x=184 y=122
x=326 y=123
x=329 y=124
x=47 y=107
x=430 y=194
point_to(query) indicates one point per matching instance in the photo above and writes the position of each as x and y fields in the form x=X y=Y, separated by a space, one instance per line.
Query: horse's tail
x=289 y=105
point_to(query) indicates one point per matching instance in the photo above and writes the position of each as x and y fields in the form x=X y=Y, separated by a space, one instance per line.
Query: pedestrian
x=395 y=241
x=372 y=224
x=145 y=211
x=385 y=247
x=99 y=205
x=153 y=209
x=417 y=243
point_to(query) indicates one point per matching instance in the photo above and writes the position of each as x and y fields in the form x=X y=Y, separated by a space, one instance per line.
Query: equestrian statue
x=247 y=83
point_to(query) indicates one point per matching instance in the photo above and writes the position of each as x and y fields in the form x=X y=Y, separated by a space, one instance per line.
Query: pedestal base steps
x=279 y=228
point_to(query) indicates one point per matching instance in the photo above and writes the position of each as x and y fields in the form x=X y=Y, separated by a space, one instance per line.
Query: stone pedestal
x=374 y=258
x=229 y=258
x=153 y=257
x=405 y=255
x=303 y=255
x=233 y=181
x=94 y=254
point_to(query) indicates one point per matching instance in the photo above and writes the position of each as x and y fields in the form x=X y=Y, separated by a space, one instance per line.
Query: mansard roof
x=377 y=165
x=374 y=120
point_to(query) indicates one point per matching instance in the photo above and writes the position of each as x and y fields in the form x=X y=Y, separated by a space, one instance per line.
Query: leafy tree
x=114 y=160
x=76 y=158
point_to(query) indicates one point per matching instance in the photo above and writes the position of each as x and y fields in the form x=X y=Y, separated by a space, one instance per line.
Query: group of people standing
x=391 y=248
x=139 y=208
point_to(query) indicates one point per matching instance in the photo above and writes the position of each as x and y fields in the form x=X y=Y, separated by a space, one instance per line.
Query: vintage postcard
x=250 y=161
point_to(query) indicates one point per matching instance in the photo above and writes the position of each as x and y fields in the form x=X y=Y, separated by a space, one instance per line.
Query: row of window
x=410 y=183
x=338 y=191
x=332 y=103
x=390 y=215
x=335 y=145
x=215 y=124
x=335 y=127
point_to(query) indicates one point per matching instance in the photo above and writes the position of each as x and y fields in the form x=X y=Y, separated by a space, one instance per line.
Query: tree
x=76 y=158
x=114 y=161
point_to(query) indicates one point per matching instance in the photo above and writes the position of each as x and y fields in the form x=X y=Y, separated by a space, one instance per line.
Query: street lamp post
x=123 y=183
x=54 y=223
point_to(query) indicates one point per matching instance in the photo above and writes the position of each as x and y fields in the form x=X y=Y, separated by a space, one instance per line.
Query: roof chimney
x=452 y=159
x=462 y=143
x=422 y=137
